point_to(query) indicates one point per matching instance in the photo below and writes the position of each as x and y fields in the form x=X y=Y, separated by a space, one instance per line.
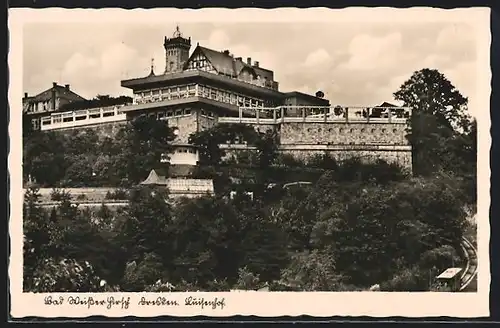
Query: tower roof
x=177 y=39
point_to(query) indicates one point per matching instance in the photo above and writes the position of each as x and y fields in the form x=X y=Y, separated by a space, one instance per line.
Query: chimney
x=249 y=61
x=66 y=86
x=239 y=58
x=53 y=96
x=25 y=95
x=226 y=52
x=256 y=64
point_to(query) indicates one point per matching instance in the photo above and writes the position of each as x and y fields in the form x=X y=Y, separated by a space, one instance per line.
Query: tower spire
x=152 y=67
x=177 y=33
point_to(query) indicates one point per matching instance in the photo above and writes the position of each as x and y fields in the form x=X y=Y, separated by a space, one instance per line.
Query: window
x=373 y=130
x=187 y=112
x=169 y=114
x=178 y=112
x=351 y=130
x=35 y=123
x=395 y=130
x=362 y=130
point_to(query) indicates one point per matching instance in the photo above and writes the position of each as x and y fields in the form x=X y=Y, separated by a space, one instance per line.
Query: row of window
x=78 y=115
x=185 y=151
x=186 y=91
x=350 y=130
x=173 y=113
x=171 y=52
x=154 y=95
x=39 y=107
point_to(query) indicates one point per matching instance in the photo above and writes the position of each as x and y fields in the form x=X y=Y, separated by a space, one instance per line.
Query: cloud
x=369 y=52
x=318 y=58
x=456 y=37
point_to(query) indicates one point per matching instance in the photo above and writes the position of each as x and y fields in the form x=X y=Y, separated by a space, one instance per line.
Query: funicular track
x=470 y=271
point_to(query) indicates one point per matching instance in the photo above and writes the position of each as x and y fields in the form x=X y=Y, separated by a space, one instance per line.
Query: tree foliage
x=83 y=158
x=441 y=132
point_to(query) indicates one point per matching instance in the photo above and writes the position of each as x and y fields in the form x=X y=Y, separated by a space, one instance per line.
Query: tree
x=144 y=141
x=44 y=159
x=439 y=115
x=147 y=224
x=429 y=91
x=65 y=276
x=209 y=141
x=312 y=271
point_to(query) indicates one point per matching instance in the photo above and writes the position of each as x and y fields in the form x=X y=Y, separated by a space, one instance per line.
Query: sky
x=353 y=63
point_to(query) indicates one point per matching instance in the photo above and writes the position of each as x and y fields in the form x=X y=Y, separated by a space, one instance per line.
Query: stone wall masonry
x=186 y=124
x=400 y=155
x=103 y=130
x=343 y=133
x=205 y=122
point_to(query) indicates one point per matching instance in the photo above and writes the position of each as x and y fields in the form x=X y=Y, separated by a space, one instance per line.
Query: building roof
x=449 y=273
x=305 y=95
x=223 y=62
x=179 y=185
x=60 y=92
x=386 y=104
x=154 y=179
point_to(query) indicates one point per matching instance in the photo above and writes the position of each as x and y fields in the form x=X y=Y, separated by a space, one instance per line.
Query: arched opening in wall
x=373 y=130
x=351 y=130
x=384 y=130
x=395 y=130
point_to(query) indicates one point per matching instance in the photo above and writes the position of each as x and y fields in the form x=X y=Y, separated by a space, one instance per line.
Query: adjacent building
x=49 y=101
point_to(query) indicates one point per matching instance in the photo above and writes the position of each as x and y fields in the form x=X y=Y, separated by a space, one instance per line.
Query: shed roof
x=449 y=273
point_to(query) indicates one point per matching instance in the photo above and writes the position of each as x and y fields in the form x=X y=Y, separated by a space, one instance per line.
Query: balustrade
x=82 y=118
x=319 y=114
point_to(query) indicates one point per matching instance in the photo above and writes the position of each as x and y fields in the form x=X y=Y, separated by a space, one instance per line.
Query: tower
x=176 y=51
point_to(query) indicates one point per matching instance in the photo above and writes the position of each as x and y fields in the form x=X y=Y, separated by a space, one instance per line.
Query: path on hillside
x=470 y=271
x=88 y=203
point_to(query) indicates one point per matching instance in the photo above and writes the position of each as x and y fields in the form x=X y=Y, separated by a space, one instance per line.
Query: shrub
x=81 y=197
x=118 y=194
x=59 y=195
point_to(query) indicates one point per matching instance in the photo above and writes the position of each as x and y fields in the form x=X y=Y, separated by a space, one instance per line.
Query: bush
x=118 y=194
x=81 y=197
x=59 y=195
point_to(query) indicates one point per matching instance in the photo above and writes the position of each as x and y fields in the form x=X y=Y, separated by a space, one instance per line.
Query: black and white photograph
x=250 y=152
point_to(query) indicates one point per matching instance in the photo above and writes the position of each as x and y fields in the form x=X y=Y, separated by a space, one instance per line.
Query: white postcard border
x=321 y=304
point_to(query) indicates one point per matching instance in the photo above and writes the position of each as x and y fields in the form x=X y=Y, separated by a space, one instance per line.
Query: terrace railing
x=318 y=114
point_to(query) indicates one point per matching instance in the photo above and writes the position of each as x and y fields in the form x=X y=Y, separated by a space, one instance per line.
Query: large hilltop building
x=208 y=87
